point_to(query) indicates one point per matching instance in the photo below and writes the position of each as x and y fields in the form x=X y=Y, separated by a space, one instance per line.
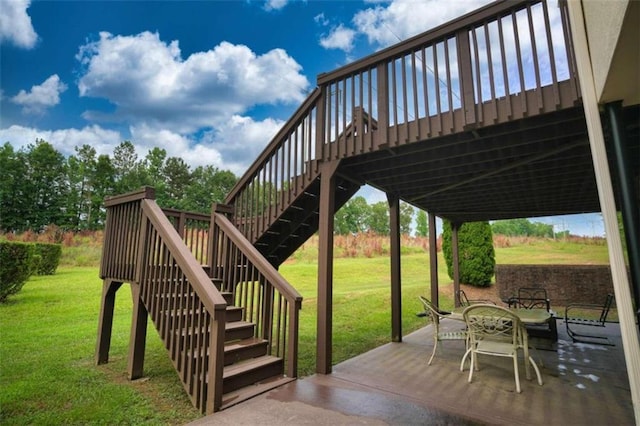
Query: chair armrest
x=583 y=306
x=599 y=309
x=484 y=301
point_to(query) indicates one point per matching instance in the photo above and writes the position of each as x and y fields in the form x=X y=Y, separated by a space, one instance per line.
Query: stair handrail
x=206 y=392
x=272 y=146
x=286 y=166
x=209 y=294
x=263 y=265
x=285 y=346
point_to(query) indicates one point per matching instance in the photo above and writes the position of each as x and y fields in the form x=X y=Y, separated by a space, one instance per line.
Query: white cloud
x=402 y=19
x=339 y=38
x=321 y=20
x=64 y=140
x=15 y=24
x=241 y=139
x=234 y=145
x=275 y=4
x=148 y=81
x=41 y=97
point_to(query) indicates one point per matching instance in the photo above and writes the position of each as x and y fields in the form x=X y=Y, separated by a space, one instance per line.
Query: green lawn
x=47 y=370
x=48 y=336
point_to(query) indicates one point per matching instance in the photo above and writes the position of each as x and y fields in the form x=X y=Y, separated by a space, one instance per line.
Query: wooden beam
x=138 y=337
x=396 y=290
x=105 y=321
x=433 y=259
x=325 y=267
x=455 y=250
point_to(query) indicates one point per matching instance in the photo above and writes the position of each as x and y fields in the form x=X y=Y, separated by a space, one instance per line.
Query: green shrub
x=50 y=258
x=36 y=259
x=476 y=254
x=15 y=267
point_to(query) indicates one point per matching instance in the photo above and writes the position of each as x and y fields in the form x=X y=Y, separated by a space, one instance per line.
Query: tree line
x=39 y=186
x=357 y=216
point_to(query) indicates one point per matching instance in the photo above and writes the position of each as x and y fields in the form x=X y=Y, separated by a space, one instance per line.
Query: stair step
x=234 y=330
x=238 y=330
x=251 y=371
x=234 y=313
x=228 y=297
x=241 y=350
x=232 y=398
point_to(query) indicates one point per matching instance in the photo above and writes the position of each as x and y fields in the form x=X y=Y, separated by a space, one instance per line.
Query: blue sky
x=209 y=81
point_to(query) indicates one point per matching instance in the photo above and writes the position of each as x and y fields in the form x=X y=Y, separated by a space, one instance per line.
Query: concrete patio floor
x=584 y=384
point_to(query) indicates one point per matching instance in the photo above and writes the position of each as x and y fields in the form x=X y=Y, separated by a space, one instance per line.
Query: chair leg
x=464 y=358
x=537 y=370
x=433 y=353
x=471 y=367
x=515 y=372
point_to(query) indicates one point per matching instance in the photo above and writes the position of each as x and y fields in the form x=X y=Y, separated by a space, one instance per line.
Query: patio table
x=527 y=316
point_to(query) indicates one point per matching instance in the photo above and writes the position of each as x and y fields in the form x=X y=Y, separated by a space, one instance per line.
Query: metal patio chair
x=495 y=331
x=536 y=298
x=463 y=300
x=438 y=335
x=574 y=316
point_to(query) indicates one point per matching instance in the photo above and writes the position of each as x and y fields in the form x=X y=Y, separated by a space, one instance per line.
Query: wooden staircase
x=299 y=220
x=248 y=368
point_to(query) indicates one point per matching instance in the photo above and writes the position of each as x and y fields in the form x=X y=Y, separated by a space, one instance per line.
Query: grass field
x=48 y=333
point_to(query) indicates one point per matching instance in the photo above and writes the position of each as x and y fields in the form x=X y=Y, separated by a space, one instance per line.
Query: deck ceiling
x=539 y=166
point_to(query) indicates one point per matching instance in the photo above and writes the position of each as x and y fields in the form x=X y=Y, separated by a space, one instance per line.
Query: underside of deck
x=536 y=166
x=392 y=384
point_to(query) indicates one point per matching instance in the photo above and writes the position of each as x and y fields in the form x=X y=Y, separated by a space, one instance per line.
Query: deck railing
x=283 y=170
x=269 y=301
x=193 y=228
x=505 y=61
x=143 y=248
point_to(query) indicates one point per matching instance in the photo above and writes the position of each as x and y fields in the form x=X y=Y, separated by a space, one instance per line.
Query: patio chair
x=574 y=315
x=438 y=335
x=495 y=331
x=463 y=300
x=536 y=298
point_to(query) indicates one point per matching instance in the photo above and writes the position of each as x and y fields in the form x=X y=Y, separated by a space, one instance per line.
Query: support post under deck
x=325 y=267
x=138 y=337
x=455 y=251
x=105 y=325
x=433 y=260
x=396 y=290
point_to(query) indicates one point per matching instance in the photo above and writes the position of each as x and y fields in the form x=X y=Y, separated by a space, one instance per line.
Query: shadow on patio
x=392 y=384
